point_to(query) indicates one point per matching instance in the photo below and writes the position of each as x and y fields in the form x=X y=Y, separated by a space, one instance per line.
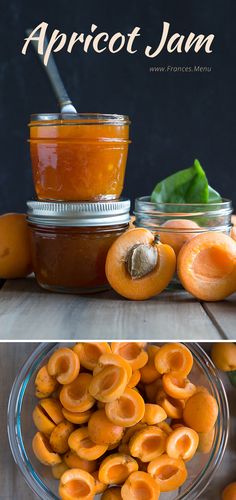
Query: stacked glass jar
x=78 y=163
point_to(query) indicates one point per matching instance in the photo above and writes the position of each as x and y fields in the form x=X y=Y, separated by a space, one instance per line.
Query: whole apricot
x=15 y=254
x=102 y=431
x=200 y=412
x=229 y=493
x=181 y=230
x=223 y=355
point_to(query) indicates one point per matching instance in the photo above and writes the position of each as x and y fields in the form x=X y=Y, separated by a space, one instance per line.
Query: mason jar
x=70 y=241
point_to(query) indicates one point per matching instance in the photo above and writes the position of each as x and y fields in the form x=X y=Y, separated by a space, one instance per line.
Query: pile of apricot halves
x=139 y=267
x=120 y=419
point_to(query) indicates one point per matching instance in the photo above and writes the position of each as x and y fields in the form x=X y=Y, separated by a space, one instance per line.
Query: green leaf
x=186 y=186
x=213 y=197
x=232 y=377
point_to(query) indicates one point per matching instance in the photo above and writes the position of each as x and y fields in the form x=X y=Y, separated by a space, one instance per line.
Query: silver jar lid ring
x=78 y=214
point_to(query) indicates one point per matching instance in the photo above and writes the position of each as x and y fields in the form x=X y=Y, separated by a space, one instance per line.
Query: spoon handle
x=54 y=77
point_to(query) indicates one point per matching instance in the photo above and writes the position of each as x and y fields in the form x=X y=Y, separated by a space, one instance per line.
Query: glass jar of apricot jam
x=70 y=241
x=78 y=157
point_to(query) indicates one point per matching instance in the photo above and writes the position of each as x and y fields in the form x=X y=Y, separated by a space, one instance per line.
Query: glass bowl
x=208 y=216
x=38 y=477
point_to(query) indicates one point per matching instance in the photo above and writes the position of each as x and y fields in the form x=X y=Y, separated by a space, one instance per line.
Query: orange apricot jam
x=70 y=241
x=78 y=157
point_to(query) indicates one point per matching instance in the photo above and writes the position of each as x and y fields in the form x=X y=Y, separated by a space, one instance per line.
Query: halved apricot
x=76 y=484
x=15 y=254
x=53 y=409
x=173 y=407
x=206 y=440
x=116 y=468
x=182 y=443
x=200 y=412
x=124 y=448
x=42 y=450
x=154 y=414
x=81 y=443
x=177 y=386
x=170 y=473
x=140 y=486
x=59 y=437
x=113 y=493
x=73 y=461
x=45 y=385
x=113 y=359
x=149 y=372
x=127 y=410
x=148 y=443
x=110 y=378
x=64 y=365
x=229 y=492
x=75 y=397
x=223 y=355
x=135 y=379
x=59 y=469
x=90 y=352
x=133 y=352
x=99 y=486
x=207 y=266
x=137 y=267
x=42 y=421
x=130 y=431
x=151 y=390
x=181 y=231
x=77 y=417
x=164 y=426
x=174 y=357
x=102 y=430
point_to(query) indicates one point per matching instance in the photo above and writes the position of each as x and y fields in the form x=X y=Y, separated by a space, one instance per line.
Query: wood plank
x=223 y=315
x=28 y=312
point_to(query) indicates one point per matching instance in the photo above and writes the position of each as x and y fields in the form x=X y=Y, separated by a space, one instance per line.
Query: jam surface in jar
x=72 y=259
x=80 y=159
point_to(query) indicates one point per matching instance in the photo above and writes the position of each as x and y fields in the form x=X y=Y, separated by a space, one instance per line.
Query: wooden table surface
x=28 y=312
x=13 y=487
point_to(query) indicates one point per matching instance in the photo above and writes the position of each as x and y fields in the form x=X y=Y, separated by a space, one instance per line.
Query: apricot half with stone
x=76 y=484
x=207 y=266
x=170 y=473
x=137 y=267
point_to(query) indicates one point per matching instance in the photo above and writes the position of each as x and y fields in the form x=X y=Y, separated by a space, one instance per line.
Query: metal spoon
x=55 y=79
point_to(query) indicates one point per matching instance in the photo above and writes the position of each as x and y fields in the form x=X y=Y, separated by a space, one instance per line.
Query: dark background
x=175 y=117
